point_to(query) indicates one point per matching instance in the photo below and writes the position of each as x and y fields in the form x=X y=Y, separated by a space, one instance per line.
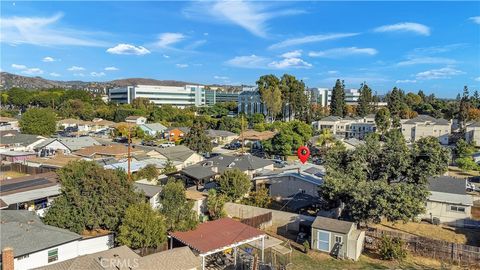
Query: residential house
x=352 y=143
x=180 y=153
x=423 y=126
x=291 y=180
x=151 y=192
x=27 y=243
x=199 y=200
x=17 y=156
x=347 y=127
x=175 y=133
x=52 y=162
x=448 y=201
x=66 y=145
x=33 y=192
x=472 y=133
x=14 y=141
x=153 y=129
x=360 y=130
x=139 y=120
x=255 y=137
x=337 y=237
x=117 y=151
x=99 y=124
x=209 y=169
x=221 y=136
x=7 y=123
x=77 y=125
x=124 y=258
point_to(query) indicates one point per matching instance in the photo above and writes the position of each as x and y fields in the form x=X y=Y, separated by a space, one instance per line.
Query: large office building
x=180 y=96
x=216 y=96
x=323 y=96
x=250 y=102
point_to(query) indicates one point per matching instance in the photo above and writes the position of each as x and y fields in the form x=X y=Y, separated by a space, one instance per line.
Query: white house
x=14 y=141
x=425 y=126
x=153 y=129
x=66 y=145
x=27 y=243
x=151 y=192
x=448 y=201
x=472 y=133
x=139 y=120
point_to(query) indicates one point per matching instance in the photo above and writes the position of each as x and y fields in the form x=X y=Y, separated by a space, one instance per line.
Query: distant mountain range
x=9 y=80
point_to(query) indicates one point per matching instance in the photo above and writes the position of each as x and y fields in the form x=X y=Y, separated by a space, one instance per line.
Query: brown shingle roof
x=257 y=136
x=173 y=259
x=26 y=183
x=217 y=234
x=106 y=150
x=55 y=161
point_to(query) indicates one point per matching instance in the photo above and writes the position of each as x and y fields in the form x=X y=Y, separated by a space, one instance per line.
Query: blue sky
x=433 y=46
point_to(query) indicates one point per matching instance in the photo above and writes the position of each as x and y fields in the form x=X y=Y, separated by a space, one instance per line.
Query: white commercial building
x=180 y=96
x=324 y=96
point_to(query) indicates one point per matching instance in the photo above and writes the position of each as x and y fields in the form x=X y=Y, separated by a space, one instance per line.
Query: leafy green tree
x=256 y=118
x=38 y=121
x=395 y=100
x=142 y=227
x=429 y=158
x=176 y=209
x=463 y=149
x=197 y=138
x=392 y=248
x=91 y=198
x=169 y=168
x=231 y=124
x=19 y=97
x=365 y=100
x=290 y=136
x=149 y=172
x=382 y=120
x=234 y=184
x=467 y=163
x=258 y=198
x=76 y=108
x=294 y=99
x=268 y=86
x=337 y=104
x=215 y=204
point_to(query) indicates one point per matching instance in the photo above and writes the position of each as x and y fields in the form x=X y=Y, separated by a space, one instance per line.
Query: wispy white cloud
x=296 y=53
x=437 y=49
x=287 y=63
x=195 y=44
x=27 y=70
x=477 y=79
x=48 y=59
x=417 y=28
x=166 y=56
x=54 y=74
x=167 y=39
x=310 y=39
x=216 y=77
x=75 y=68
x=250 y=15
x=248 y=61
x=441 y=73
x=97 y=74
x=128 y=49
x=426 y=60
x=17 y=66
x=44 y=31
x=475 y=19
x=343 y=52
x=182 y=65
x=111 y=69
x=406 y=81
x=332 y=72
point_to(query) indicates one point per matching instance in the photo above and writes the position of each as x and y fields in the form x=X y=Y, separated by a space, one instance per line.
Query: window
x=455 y=208
x=52 y=255
x=338 y=239
x=323 y=241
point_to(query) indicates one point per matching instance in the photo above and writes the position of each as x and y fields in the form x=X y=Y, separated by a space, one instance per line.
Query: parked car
x=121 y=140
x=472 y=187
x=167 y=144
x=278 y=163
x=149 y=143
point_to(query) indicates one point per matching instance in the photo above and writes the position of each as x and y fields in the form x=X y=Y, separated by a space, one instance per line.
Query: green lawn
x=319 y=261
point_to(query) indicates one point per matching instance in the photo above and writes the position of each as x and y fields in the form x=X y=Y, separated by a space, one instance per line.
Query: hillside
x=9 y=80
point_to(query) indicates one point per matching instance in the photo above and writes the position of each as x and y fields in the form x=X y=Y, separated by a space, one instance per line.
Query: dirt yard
x=459 y=173
x=441 y=232
x=10 y=174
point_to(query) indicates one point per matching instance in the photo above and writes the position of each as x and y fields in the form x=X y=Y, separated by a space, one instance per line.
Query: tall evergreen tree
x=396 y=100
x=463 y=108
x=365 y=100
x=197 y=139
x=337 y=104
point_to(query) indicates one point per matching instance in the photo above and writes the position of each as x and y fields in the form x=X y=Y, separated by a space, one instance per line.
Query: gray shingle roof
x=331 y=118
x=427 y=118
x=219 y=133
x=149 y=190
x=223 y=162
x=332 y=225
x=19 y=138
x=447 y=184
x=23 y=231
x=72 y=143
x=155 y=127
x=176 y=153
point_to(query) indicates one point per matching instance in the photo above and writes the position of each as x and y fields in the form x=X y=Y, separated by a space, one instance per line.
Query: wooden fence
x=22 y=168
x=258 y=221
x=460 y=254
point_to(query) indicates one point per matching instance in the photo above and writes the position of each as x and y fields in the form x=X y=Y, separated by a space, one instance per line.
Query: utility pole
x=243 y=133
x=129 y=157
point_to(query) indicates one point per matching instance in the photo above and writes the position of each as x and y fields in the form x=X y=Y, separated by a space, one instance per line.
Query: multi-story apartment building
x=250 y=102
x=324 y=96
x=347 y=127
x=424 y=126
x=472 y=133
x=180 y=96
x=215 y=96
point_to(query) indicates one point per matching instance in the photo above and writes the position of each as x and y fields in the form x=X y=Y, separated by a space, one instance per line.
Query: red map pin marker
x=303 y=153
